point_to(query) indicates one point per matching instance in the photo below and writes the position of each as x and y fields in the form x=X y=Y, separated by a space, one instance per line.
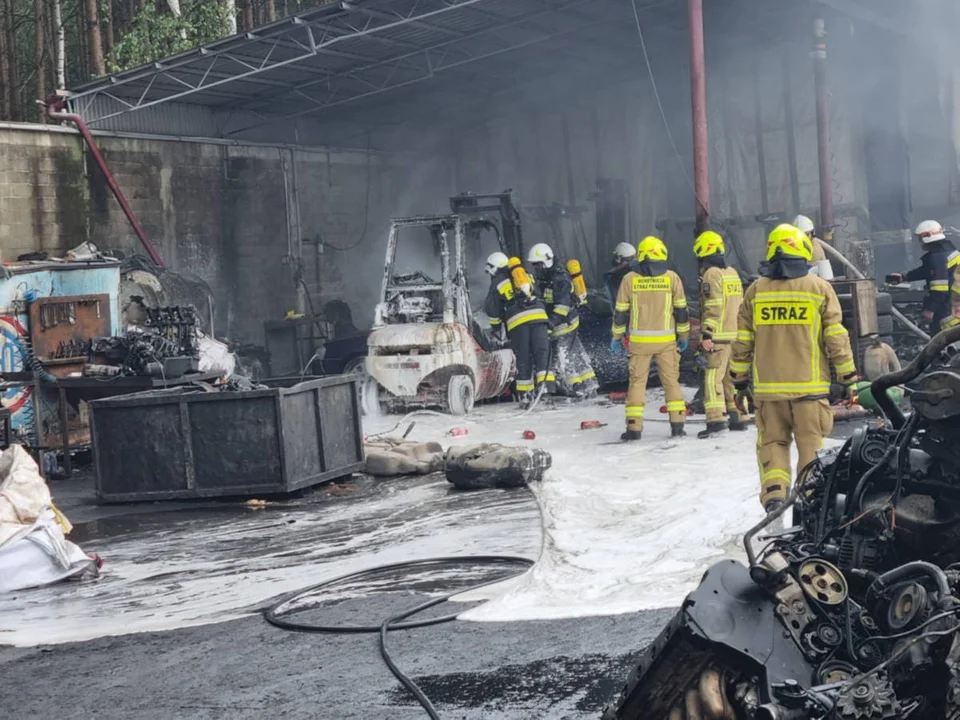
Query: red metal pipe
x=698 y=102
x=55 y=111
x=819 y=56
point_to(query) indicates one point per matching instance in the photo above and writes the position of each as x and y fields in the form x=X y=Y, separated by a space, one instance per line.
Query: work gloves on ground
x=893 y=279
x=616 y=347
x=682 y=345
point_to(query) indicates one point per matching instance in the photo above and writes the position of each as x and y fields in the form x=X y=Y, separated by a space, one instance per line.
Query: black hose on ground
x=274 y=614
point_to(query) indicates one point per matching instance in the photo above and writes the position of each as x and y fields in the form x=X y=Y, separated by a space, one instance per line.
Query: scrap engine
x=853 y=610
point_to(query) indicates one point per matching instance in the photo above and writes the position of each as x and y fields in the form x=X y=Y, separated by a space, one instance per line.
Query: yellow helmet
x=709 y=243
x=651 y=248
x=513 y=262
x=789 y=241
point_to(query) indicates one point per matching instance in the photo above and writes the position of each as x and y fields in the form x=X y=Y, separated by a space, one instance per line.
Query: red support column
x=698 y=101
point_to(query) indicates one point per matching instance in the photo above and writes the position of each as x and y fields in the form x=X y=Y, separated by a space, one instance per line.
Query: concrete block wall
x=241 y=218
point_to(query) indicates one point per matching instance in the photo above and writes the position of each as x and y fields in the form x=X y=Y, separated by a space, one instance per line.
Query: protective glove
x=893 y=279
x=700 y=361
x=850 y=391
x=743 y=398
x=927 y=315
x=616 y=347
x=682 y=345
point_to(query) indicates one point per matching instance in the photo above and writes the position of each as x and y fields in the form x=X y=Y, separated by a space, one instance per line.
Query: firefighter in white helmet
x=525 y=319
x=624 y=260
x=651 y=317
x=819 y=265
x=940 y=270
x=570 y=365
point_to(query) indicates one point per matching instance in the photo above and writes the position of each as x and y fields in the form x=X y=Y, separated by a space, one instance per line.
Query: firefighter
x=819 y=265
x=721 y=294
x=789 y=331
x=526 y=325
x=570 y=364
x=624 y=260
x=650 y=317
x=938 y=268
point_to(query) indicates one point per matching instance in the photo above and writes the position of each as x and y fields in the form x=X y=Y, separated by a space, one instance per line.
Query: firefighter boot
x=629 y=435
x=736 y=423
x=676 y=430
x=712 y=428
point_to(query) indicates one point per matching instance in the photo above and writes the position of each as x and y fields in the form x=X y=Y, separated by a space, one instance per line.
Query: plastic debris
x=529 y=435
x=457 y=431
x=591 y=424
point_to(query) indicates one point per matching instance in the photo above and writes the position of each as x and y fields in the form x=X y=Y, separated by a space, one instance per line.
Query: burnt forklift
x=426 y=348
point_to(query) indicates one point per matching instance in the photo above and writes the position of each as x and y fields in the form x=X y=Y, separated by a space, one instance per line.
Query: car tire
x=460 y=395
x=370 y=397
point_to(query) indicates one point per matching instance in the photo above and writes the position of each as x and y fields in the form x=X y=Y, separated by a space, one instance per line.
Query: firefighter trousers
x=720 y=397
x=668 y=368
x=570 y=366
x=779 y=422
x=531 y=347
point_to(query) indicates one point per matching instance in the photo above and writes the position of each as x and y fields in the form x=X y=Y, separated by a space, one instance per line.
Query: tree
x=94 y=41
x=39 y=49
x=61 y=54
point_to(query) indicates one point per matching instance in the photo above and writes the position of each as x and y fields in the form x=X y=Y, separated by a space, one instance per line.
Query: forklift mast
x=495 y=211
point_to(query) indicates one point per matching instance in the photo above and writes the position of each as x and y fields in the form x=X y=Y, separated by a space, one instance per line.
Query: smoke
x=552 y=119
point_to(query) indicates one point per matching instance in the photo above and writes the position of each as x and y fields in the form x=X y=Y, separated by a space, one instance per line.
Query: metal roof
x=338 y=61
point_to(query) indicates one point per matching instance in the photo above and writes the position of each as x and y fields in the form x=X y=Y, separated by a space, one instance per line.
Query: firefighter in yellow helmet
x=721 y=294
x=650 y=316
x=789 y=331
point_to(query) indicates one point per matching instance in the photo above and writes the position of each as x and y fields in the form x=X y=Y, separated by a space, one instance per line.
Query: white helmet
x=496 y=261
x=624 y=252
x=930 y=231
x=804 y=224
x=541 y=254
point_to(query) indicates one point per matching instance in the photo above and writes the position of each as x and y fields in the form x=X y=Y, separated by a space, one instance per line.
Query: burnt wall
x=269 y=229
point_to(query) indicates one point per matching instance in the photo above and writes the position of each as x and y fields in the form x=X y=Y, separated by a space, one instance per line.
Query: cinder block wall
x=241 y=218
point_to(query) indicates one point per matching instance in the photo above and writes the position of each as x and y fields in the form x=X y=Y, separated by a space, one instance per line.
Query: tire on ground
x=460 y=395
x=370 y=397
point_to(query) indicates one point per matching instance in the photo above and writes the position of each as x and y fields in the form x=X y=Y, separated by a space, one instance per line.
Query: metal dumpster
x=178 y=444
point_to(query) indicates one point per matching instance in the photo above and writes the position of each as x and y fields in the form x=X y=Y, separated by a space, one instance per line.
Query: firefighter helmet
x=496 y=261
x=709 y=243
x=651 y=248
x=804 y=224
x=541 y=254
x=790 y=242
x=623 y=252
x=930 y=231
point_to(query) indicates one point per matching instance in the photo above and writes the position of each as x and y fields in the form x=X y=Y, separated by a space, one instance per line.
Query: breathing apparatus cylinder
x=521 y=280
x=579 y=285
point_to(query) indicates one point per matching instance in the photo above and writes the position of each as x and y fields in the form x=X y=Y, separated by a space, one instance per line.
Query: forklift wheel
x=370 y=397
x=460 y=395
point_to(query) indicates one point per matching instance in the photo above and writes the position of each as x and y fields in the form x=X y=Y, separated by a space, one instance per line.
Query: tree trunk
x=248 y=21
x=39 y=48
x=5 y=84
x=108 y=27
x=60 y=57
x=94 y=41
x=16 y=106
x=231 y=7
x=270 y=9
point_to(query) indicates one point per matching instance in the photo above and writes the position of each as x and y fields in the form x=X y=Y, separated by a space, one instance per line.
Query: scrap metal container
x=175 y=444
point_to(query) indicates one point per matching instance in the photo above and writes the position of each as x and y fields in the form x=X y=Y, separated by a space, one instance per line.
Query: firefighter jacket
x=954 y=318
x=721 y=294
x=504 y=304
x=613 y=277
x=937 y=268
x=651 y=310
x=555 y=286
x=788 y=333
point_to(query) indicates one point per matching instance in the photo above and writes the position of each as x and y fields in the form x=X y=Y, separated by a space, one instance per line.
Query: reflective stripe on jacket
x=721 y=294
x=505 y=304
x=788 y=333
x=651 y=310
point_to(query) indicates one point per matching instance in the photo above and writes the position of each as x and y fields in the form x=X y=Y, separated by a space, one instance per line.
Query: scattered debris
x=529 y=435
x=389 y=457
x=255 y=504
x=591 y=424
x=486 y=466
x=457 y=431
